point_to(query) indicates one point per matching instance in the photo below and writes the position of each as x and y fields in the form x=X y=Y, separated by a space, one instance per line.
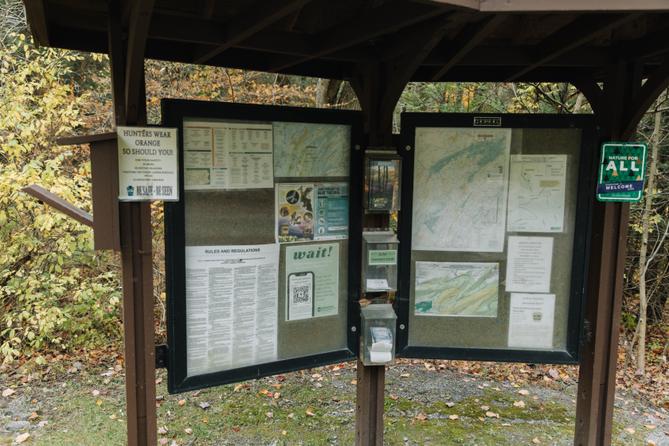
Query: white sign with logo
x=147 y=164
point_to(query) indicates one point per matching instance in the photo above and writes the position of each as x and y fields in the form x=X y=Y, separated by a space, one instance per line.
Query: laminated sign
x=621 y=171
x=147 y=164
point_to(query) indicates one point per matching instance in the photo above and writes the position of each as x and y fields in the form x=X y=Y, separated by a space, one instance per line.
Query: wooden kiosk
x=616 y=52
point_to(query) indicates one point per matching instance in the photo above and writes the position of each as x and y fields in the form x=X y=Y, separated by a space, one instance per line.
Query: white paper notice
x=227 y=155
x=531 y=320
x=537 y=193
x=231 y=306
x=147 y=164
x=528 y=267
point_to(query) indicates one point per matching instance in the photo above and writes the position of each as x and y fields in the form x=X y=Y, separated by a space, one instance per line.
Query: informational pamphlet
x=528 y=267
x=147 y=164
x=231 y=306
x=227 y=155
x=311 y=211
x=311 y=150
x=531 y=319
x=456 y=289
x=537 y=193
x=460 y=189
x=312 y=280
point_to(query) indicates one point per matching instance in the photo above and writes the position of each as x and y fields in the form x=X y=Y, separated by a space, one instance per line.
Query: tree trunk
x=643 y=252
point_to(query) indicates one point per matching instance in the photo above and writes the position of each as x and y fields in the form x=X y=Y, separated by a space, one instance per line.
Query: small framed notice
x=147 y=164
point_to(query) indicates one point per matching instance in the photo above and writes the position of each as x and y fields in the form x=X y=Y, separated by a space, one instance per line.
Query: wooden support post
x=135 y=228
x=617 y=117
x=378 y=87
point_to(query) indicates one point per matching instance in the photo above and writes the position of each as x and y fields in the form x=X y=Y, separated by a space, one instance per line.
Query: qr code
x=301 y=294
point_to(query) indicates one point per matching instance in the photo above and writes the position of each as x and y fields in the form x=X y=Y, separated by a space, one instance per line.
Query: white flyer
x=460 y=189
x=531 y=319
x=537 y=193
x=147 y=164
x=231 y=306
x=528 y=267
x=227 y=155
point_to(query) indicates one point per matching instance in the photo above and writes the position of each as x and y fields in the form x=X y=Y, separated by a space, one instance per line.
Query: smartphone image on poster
x=300 y=296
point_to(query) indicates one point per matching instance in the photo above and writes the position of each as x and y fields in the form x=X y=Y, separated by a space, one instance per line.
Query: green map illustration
x=460 y=186
x=456 y=289
x=311 y=150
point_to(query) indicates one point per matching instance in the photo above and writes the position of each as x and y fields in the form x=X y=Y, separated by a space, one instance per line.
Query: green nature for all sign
x=622 y=170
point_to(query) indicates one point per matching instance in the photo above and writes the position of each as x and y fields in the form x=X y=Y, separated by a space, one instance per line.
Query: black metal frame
x=173 y=113
x=586 y=190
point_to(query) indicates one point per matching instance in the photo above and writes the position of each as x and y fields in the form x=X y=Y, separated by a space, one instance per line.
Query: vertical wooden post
x=136 y=252
x=371 y=380
x=599 y=352
x=379 y=86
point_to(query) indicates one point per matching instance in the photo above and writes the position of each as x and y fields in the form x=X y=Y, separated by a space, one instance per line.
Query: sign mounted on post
x=147 y=164
x=622 y=170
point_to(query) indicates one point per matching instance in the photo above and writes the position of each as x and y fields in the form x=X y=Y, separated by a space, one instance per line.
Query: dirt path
x=424 y=405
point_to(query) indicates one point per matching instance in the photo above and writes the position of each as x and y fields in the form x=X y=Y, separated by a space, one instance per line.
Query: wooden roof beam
x=251 y=22
x=575 y=34
x=36 y=15
x=656 y=83
x=385 y=19
x=138 y=31
x=558 y=5
x=466 y=41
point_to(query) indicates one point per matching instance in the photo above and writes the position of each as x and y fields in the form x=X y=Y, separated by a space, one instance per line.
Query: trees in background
x=57 y=294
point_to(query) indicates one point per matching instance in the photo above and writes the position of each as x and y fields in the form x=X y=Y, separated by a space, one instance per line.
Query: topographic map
x=456 y=289
x=311 y=150
x=537 y=193
x=460 y=187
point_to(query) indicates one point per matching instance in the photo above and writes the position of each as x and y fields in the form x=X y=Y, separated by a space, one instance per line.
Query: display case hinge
x=161 y=356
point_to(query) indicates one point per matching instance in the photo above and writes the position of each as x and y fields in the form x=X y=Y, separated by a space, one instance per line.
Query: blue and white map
x=456 y=289
x=311 y=150
x=460 y=189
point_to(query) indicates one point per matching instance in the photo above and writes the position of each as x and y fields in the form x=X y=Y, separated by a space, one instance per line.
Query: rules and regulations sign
x=622 y=170
x=147 y=164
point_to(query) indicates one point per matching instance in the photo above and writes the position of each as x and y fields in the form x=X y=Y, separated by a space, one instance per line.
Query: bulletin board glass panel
x=258 y=249
x=494 y=247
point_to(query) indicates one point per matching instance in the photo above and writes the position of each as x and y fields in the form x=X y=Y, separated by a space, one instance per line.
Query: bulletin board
x=261 y=246
x=494 y=236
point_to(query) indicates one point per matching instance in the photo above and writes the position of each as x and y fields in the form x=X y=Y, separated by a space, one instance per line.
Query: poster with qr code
x=312 y=280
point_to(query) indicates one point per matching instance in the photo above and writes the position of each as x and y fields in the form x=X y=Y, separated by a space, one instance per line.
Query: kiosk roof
x=483 y=40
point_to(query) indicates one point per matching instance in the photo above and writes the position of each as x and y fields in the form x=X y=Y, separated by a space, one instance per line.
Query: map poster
x=311 y=211
x=537 y=193
x=528 y=267
x=460 y=189
x=311 y=150
x=227 y=155
x=531 y=320
x=312 y=280
x=456 y=289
